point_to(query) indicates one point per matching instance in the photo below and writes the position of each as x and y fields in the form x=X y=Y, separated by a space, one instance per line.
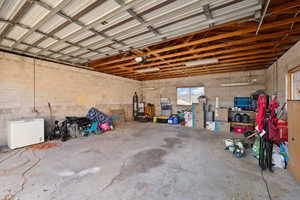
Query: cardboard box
x=198 y=119
x=222 y=126
x=199 y=115
x=198 y=124
x=119 y=117
x=197 y=107
x=221 y=114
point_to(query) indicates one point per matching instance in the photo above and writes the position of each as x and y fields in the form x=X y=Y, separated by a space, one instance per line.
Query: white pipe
x=263 y=16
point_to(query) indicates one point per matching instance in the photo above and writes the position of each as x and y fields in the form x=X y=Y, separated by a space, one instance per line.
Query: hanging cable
x=34 y=108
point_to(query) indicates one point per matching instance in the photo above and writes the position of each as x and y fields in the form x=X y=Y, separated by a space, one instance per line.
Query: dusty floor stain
x=171 y=142
x=183 y=135
x=142 y=162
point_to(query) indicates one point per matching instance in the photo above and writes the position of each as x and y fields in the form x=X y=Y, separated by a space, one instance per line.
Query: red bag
x=273 y=121
x=261 y=111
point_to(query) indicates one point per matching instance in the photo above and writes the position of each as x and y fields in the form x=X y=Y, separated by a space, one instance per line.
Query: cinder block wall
x=153 y=90
x=276 y=74
x=70 y=91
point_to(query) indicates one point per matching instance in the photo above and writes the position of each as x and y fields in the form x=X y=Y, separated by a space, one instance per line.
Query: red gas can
x=283 y=131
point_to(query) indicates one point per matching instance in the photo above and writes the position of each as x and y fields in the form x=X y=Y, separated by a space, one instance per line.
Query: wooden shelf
x=241 y=124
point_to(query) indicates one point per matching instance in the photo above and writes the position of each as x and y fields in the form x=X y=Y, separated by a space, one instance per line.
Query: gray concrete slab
x=140 y=161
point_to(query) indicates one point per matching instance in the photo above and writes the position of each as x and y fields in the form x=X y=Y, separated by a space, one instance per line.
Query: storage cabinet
x=294 y=137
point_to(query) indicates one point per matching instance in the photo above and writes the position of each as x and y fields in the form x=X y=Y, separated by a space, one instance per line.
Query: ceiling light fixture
x=202 y=62
x=139 y=59
x=149 y=88
x=235 y=84
x=154 y=69
x=250 y=82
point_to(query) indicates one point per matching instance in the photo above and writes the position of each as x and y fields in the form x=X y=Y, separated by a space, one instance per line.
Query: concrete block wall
x=153 y=90
x=277 y=73
x=70 y=91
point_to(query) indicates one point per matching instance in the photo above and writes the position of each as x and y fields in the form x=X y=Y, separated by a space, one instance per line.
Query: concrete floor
x=140 y=161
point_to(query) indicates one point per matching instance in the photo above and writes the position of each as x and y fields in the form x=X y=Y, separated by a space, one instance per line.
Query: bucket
x=154 y=119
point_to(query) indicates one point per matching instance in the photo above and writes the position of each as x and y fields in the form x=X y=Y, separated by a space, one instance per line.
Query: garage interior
x=149 y=99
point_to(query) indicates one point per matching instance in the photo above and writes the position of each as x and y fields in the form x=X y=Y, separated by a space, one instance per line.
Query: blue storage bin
x=244 y=103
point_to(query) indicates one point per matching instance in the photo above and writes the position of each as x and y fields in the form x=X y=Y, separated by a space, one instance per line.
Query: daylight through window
x=187 y=96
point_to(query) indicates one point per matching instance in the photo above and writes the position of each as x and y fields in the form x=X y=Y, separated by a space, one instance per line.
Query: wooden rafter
x=234 y=44
x=223 y=36
x=209 y=48
x=236 y=57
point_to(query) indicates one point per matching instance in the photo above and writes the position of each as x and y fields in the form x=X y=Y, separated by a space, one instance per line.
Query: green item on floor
x=256 y=146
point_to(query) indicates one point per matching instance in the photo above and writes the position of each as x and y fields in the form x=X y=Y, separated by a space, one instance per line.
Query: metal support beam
x=142 y=21
x=263 y=16
x=158 y=20
x=41 y=22
x=97 y=22
x=208 y=14
x=69 y=21
x=31 y=46
x=26 y=6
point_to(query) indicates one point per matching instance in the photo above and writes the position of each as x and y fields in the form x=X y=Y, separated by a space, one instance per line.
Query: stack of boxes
x=198 y=115
x=214 y=121
x=221 y=120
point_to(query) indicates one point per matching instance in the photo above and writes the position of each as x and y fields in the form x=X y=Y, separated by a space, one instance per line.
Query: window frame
x=289 y=82
x=190 y=97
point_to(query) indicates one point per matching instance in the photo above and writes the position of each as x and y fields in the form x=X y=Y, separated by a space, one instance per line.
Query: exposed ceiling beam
x=284 y=7
x=209 y=68
x=223 y=36
x=157 y=20
x=42 y=21
x=230 y=44
x=225 y=53
x=235 y=61
x=95 y=23
x=21 y=12
x=204 y=72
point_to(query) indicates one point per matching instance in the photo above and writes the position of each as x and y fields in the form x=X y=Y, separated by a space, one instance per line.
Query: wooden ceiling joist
x=202 y=72
x=235 y=44
x=226 y=52
x=231 y=44
x=222 y=36
x=258 y=61
x=255 y=58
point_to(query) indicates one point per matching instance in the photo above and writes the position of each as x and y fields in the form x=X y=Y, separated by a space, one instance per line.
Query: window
x=294 y=84
x=187 y=96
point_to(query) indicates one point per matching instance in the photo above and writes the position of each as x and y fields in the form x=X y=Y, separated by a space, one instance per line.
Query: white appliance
x=25 y=132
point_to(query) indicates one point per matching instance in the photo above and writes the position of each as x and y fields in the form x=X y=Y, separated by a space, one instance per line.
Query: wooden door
x=294 y=138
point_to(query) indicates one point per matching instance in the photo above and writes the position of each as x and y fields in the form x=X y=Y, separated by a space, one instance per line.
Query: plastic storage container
x=244 y=103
